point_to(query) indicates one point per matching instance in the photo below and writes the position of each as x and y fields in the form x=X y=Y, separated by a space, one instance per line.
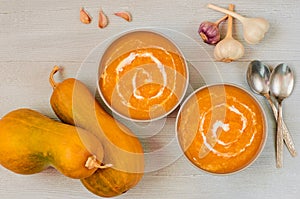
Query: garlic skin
x=228 y=50
x=255 y=30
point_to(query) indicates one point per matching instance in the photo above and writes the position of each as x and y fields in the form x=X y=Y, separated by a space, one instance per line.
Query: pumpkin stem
x=92 y=163
x=51 y=79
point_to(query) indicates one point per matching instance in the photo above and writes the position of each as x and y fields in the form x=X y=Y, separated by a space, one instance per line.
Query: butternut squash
x=73 y=103
x=30 y=142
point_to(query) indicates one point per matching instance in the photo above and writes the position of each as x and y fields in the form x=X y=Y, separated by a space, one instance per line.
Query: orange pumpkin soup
x=221 y=128
x=144 y=83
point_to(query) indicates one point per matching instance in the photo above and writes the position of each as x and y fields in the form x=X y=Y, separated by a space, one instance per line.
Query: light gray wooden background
x=37 y=34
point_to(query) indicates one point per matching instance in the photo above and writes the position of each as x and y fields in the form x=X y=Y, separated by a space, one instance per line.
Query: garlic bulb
x=209 y=31
x=229 y=49
x=254 y=28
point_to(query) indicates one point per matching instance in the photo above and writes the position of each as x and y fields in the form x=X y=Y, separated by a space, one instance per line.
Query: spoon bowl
x=282 y=81
x=258 y=75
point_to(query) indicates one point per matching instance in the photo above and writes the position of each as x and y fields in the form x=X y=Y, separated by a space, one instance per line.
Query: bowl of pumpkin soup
x=221 y=128
x=143 y=76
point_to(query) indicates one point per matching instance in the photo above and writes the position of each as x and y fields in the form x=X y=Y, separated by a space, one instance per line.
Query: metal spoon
x=258 y=76
x=281 y=86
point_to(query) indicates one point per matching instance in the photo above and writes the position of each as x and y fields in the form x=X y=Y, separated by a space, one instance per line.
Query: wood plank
x=35 y=35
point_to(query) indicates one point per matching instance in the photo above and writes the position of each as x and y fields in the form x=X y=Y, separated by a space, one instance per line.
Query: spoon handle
x=288 y=140
x=279 y=139
x=286 y=135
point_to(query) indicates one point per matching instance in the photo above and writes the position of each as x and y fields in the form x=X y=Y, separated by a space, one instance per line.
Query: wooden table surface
x=35 y=35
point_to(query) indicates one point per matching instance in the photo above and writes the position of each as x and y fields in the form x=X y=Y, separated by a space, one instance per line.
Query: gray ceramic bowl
x=122 y=54
x=221 y=128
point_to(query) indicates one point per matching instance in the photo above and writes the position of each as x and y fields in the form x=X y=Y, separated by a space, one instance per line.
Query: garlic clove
x=125 y=15
x=84 y=16
x=103 y=20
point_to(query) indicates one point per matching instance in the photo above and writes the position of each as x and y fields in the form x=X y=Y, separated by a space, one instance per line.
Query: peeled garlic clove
x=103 y=20
x=125 y=15
x=228 y=50
x=84 y=17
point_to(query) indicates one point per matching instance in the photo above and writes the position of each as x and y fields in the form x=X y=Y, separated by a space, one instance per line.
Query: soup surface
x=221 y=129
x=144 y=83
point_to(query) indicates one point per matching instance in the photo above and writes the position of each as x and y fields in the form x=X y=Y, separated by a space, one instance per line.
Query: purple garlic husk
x=209 y=32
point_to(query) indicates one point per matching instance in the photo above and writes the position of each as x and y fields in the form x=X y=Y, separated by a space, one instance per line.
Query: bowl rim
x=187 y=78
x=266 y=127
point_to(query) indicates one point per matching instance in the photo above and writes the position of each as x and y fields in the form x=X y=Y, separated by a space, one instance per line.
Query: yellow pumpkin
x=30 y=142
x=74 y=104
